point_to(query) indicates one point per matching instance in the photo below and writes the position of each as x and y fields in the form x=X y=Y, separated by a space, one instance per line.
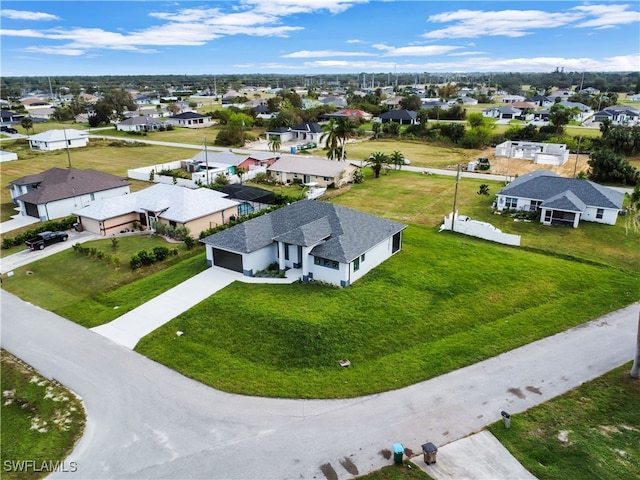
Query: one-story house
x=401 y=116
x=57 y=192
x=619 y=115
x=326 y=173
x=326 y=242
x=560 y=200
x=502 y=113
x=227 y=163
x=251 y=199
x=196 y=209
x=58 y=139
x=304 y=132
x=542 y=153
x=140 y=124
x=190 y=120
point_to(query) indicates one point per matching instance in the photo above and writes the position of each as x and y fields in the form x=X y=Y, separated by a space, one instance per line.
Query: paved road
x=147 y=421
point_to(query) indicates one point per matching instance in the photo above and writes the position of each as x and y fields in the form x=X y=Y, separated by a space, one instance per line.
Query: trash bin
x=429 y=451
x=293 y=149
x=398 y=452
x=507 y=419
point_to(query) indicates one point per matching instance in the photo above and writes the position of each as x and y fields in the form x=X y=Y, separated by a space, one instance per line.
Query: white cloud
x=355 y=41
x=326 y=53
x=507 y=23
x=294 y=7
x=26 y=15
x=607 y=16
x=414 y=50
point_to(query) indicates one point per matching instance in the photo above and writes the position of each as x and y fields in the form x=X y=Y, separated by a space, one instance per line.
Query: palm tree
x=27 y=124
x=377 y=161
x=330 y=138
x=346 y=130
x=376 y=130
x=397 y=159
x=275 y=143
x=240 y=171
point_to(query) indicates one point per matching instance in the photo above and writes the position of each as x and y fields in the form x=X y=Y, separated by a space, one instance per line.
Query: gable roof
x=401 y=114
x=248 y=193
x=59 y=135
x=546 y=186
x=188 y=116
x=59 y=183
x=179 y=204
x=343 y=234
x=317 y=166
x=307 y=127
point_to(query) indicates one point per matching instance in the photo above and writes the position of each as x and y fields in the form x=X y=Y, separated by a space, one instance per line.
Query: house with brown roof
x=57 y=192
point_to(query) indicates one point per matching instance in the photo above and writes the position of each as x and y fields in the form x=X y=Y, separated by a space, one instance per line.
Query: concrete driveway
x=147 y=421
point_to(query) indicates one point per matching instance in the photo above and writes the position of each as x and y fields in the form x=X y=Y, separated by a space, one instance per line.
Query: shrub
x=189 y=242
x=147 y=258
x=135 y=262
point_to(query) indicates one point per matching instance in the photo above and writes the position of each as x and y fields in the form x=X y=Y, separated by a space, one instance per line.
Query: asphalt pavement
x=148 y=421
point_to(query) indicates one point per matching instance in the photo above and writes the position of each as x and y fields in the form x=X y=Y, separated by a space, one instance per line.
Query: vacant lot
x=591 y=432
x=41 y=421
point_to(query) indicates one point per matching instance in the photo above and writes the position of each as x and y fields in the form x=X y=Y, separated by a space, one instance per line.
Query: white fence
x=475 y=228
x=144 y=173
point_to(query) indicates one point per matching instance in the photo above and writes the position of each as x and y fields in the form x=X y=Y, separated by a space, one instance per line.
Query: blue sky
x=315 y=36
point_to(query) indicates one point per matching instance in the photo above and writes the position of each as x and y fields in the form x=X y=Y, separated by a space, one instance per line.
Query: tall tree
x=330 y=137
x=27 y=124
x=346 y=130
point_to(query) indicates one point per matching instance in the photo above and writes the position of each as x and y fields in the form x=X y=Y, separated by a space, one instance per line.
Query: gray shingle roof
x=544 y=185
x=566 y=201
x=347 y=233
x=59 y=183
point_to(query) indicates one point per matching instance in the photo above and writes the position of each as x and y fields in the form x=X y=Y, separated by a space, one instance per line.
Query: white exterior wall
x=550 y=159
x=58 y=145
x=609 y=216
x=66 y=206
x=372 y=258
x=260 y=259
x=327 y=274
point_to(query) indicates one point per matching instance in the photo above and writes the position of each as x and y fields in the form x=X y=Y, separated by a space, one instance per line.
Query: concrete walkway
x=16 y=222
x=128 y=329
x=476 y=457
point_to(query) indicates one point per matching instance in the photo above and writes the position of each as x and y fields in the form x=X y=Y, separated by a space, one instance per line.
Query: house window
x=356 y=264
x=511 y=202
x=600 y=213
x=547 y=216
x=173 y=224
x=362 y=257
x=286 y=251
x=535 y=205
x=92 y=196
x=325 y=262
x=326 y=179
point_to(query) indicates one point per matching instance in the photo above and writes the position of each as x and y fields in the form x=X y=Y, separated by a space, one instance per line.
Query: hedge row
x=144 y=258
x=56 y=225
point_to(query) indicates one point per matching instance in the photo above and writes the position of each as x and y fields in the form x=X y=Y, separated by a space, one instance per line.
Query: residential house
x=324 y=241
x=502 y=113
x=326 y=173
x=57 y=192
x=402 y=116
x=34 y=102
x=584 y=111
x=618 y=115
x=9 y=118
x=206 y=165
x=190 y=120
x=560 y=200
x=196 y=209
x=58 y=139
x=540 y=153
x=352 y=113
x=393 y=102
x=140 y=124
x=304 y=132
x=540 y=101
x=512 y=98
x=464 y=100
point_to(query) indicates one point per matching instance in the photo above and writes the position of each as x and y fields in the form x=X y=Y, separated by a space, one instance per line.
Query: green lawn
x=444 y=302
x=591 y=432
x=92 y=292
x=41 y=421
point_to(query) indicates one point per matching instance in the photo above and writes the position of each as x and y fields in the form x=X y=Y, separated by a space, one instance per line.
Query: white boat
x=314 y=191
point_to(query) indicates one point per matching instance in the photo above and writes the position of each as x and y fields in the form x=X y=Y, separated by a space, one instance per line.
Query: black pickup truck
x=46 y=238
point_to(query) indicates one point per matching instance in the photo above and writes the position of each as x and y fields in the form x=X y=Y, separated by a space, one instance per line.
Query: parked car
x=7 y=129
x=46 y=238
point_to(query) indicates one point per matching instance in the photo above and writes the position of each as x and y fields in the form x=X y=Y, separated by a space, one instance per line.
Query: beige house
x=196 y=209
x=326 y=173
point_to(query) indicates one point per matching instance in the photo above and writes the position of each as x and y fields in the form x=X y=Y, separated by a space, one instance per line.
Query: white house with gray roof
x=560 y=200
x=299 y=169
x=58 y=139
x=326 y=242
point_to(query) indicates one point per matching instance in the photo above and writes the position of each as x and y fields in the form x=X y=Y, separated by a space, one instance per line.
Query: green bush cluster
x=58 y=225
x=178 y=233
x=92 y=252
x=145 y=258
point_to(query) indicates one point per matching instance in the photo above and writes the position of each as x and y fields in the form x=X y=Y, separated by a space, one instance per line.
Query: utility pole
x=455 y=199
x=206 y=158
x=575 y=167
x=66 y=143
